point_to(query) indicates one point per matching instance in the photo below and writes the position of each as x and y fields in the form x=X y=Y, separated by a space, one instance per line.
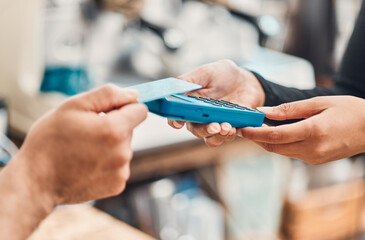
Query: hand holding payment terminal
x=163 y=98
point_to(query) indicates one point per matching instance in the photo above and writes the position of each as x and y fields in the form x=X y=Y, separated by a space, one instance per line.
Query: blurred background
x=179 y=189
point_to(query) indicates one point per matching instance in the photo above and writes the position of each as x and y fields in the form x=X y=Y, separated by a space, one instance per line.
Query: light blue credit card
x=162 y=88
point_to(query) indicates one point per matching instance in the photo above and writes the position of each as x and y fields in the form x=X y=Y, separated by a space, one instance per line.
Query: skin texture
x=334 y=128
x=222 y=80
x=72 y=154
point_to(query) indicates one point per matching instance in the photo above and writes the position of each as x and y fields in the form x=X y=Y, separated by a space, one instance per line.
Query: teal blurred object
x=254 y=188
x=66 y=80
x=7 y=148
x=4 y=159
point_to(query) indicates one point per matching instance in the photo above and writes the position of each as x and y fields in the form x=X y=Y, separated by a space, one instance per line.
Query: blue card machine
x=170 y=104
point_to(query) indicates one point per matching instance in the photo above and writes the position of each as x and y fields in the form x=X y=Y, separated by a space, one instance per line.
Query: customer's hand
x=77 y=154
x=73 y=154
x=222 y=80
x=334 y=128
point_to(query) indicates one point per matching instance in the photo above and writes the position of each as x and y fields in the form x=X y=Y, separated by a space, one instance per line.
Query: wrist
x=24 y=201
x=255 y=86
x=36 y=181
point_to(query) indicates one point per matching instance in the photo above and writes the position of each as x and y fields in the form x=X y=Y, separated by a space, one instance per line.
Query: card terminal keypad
x=222 y=103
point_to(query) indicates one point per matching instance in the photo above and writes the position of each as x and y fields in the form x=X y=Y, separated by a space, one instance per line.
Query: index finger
x=103 y=99
x=288 y=133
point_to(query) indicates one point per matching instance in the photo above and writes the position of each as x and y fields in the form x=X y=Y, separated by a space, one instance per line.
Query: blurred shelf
x=183 y=157
x=333 y=212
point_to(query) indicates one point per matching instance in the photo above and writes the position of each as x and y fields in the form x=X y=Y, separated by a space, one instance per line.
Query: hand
x=73 y=154
x=80 y=155
x=334 y=128
x=222 y=80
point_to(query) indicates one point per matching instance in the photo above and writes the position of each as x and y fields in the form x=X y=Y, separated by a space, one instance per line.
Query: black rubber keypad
x=222 y=103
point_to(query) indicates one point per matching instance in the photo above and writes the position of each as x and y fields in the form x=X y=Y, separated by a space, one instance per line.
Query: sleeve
x=350 y=79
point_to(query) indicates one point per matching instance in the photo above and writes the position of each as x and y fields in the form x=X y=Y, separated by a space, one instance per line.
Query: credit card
x=162 y=88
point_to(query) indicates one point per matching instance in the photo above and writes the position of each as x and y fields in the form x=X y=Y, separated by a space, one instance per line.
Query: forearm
x=276 y=94
x=23 y=203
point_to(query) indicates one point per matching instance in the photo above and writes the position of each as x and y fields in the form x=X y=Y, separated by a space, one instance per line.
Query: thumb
x=129 y=116
x=199 y=76
x=294 y=110
x=104 y=99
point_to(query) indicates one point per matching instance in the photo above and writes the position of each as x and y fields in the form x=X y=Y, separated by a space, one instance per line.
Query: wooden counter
x=81 y=222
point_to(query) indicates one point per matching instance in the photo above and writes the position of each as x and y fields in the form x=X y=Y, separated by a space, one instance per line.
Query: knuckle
x=109 y=89
x=312 y=162
x=122 y=159
x=246 y=134
x=218 y=140
x=286 y=107
x=125 y=173
x=112 y=134
x=227 y=62
x=269 y=147
x=230 y=66
x=322 y=131
x=274 y=136
x=320 y=152
x=127 y=155
x=111 y=92
x=119 y=188
x=209 y=142
x=116 y=137
x=206 y=70
x=318 y=130
x=211 y=145
x=315 y=160
x=120 y=178
x=123 y=134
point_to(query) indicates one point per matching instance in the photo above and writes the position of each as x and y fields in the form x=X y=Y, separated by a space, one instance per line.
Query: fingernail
x=232 y=132
x=131 y=92
x=265 y=109
x=213 y=129
x=226 y=127
x=176 y=124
